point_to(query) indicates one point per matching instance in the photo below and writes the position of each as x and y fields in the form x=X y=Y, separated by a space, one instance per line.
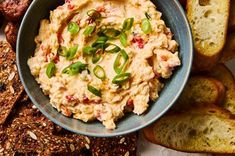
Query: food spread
x=101 y=59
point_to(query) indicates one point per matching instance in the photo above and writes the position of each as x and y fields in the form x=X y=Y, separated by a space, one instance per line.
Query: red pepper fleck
x=90 y=20
x=70 y=98
x=85 y=99
x=100 y=9
x=78 y=21
x=70 y=7
x=60 y=37
x=139 y=41
x=129 y=105
x=164 y=58
x=56 y=59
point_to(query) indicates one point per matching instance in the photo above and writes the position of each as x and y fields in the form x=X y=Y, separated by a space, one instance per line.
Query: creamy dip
x=99 y=59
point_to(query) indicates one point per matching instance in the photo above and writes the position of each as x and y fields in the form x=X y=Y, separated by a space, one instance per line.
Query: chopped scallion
x=99 y=72
x=51 y=68
x=73 y=28
x=121 y=78
x=120 y=61
x=94 y=91
x=128 y=23
x=89 y=30
x=146 y=26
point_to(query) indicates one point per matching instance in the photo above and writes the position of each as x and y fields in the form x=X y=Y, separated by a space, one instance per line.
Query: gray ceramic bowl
x=174 y=17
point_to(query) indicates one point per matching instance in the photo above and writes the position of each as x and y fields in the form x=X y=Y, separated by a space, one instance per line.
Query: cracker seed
x=32 y=135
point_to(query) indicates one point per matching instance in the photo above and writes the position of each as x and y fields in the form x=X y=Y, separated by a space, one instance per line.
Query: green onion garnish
x=99 y=72
x=88 y=50
x=73 y=28
x=89 y=30
x=110 y=33
x=146 y=26
x=120 y=61
x=75 y=68
x=123 y=39
x=51 y=68
x=94 y=14
x=147 y=16
x=96 y=58
x=119 y=79
x=127 y=24
x=111 y=48
x=94 y=91
x=100 y=40
x=68 y=53
x=62 y=51
x=71 y=52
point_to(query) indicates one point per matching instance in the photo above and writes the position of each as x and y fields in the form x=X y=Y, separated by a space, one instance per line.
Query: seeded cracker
x=121 y=145
x=10 y=85
x=27 y=131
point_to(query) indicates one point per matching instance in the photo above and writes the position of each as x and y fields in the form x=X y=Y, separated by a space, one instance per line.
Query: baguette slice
x=201 y=90
x=222 y=73
x=205 y=129
x=231 y=22
x=229 y=48
x=209 y=22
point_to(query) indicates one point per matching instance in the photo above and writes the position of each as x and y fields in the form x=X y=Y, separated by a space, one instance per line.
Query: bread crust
x=202 y=60
x=212 y=109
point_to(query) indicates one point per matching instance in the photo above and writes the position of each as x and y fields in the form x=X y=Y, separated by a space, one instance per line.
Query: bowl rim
x=147 y=123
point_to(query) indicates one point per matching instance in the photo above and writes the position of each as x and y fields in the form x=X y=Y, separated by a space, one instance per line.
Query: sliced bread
x=222 y=73
x=201 y=90
x=209 y=22
x=229 y=48
x=206 y=129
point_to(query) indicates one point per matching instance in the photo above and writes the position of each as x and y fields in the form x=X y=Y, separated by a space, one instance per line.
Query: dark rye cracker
x=27 y=131
x=116 y=146
x=10 y=85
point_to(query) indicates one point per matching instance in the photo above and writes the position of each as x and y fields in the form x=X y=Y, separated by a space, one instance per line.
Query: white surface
x=146 y=148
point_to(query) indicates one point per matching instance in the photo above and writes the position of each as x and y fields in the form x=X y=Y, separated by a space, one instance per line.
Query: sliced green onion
x=73 y=28
x=100 y=40
x=75 y=68
x=93 y=14
x=146 y=26
x=88 y=50
x=147 y=16
x=94 y=91
x=71 y=52
x=96 y=58
x=99 y=72
x=51 y=68
x=68 y=53
x=127 y=24
x=111 y=48
x=89 y=30
x=119 y=79
x=123 y=39
x=110 y=33
x=120 y=61
x=62 y=51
